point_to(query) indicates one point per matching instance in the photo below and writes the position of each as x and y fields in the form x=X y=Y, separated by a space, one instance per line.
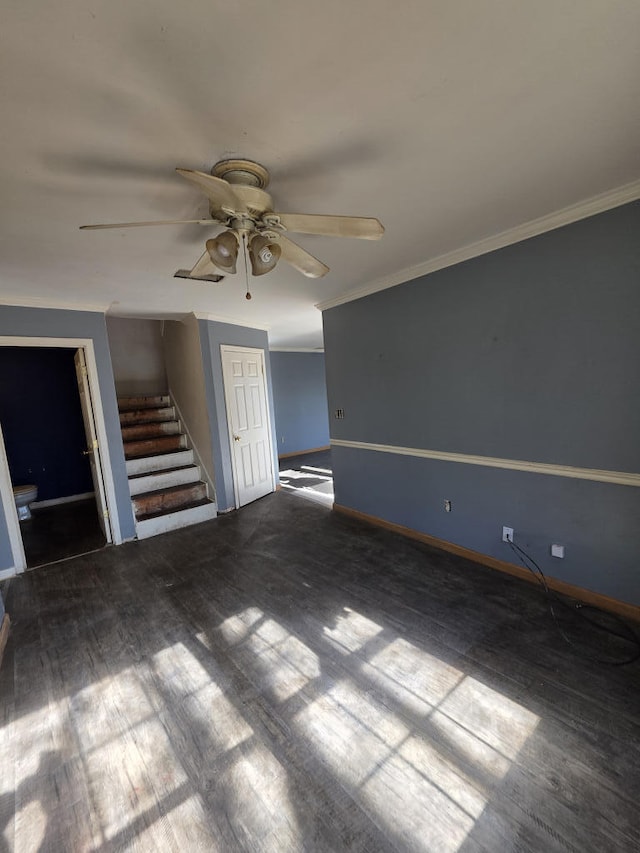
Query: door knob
x=236 y=438
x=87 y=452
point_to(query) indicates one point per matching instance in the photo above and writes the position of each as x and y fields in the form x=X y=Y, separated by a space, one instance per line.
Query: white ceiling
x=449 y=121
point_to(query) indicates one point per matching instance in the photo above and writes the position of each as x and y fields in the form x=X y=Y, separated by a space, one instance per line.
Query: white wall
x=183 y=360
x=137 y=356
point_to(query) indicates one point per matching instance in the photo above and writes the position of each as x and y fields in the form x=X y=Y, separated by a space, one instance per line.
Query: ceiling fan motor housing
x=242 y=172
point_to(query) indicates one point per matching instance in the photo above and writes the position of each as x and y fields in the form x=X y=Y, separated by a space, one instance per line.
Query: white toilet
x=23 y=496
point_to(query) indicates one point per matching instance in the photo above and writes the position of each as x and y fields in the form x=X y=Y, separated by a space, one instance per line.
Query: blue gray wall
x=212 y=336
x=529 y=353
x=300 y=400
x=42 y=421
x=41 y=322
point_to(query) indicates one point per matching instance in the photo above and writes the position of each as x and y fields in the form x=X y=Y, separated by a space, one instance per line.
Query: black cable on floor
x=628 y=634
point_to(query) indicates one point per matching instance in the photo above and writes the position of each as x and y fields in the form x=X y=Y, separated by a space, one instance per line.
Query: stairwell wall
x=137 y=356
x=18 y=321
x=185 y=373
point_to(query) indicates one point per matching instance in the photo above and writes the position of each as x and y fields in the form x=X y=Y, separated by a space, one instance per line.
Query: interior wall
x=212 y=336
x=42 y=421
x=48 y=323
x=300 y=400
x=137 y=356
x=185 y=374
x=529 y=353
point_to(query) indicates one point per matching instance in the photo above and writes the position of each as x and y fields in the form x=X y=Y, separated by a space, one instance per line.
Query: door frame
x=6 y=487
x=224 y=348
x=11 y=517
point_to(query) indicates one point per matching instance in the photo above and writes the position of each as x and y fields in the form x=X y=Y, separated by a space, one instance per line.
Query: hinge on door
x=85 y=371
x=95 y=444
x=105 y=513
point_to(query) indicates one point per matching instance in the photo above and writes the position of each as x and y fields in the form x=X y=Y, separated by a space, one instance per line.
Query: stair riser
x=164 y=480
x=166 y=413
x=165 y=501
x=175 y=520
x=149 y=464
x=151 y=446
x=142 y=431
x=128 y=403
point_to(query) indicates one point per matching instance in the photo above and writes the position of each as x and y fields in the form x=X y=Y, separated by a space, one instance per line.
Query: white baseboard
x=5 y=574
x=69 y=499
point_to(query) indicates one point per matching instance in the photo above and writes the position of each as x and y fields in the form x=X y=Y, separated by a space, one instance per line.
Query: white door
x=93 y=449
x=245 y=393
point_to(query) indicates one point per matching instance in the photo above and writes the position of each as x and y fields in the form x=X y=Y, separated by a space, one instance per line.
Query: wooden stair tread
x=136 y=448
x=169 y=490
x=159 y=453
x=170 y=510
x=147 y=423
x=140 y=432
x=140 y=403
x=162 y=470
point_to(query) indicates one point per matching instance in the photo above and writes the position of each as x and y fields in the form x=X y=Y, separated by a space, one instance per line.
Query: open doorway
x=309 y=475
x=50 y=444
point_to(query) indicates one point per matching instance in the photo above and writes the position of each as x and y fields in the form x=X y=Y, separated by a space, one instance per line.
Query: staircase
x=164 y=481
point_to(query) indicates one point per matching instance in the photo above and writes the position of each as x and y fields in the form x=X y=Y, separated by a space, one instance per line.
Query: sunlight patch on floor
x=308 y=482
x=426 y=777
x=95 y=710
x=203 y=699
x=257 y=795
x=237 y=628
x=327 y=471
x=415 y=678
x=284 y=664
x=498 y=722
x=31 y=823
x=351 y=631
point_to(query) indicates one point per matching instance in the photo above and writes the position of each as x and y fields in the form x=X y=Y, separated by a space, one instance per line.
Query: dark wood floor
x=286 y=679
x=61 y=531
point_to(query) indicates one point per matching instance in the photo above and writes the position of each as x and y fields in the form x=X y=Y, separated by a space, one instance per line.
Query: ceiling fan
x=238 y=201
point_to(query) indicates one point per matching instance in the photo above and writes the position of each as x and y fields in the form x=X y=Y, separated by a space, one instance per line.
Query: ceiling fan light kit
x=236 y=190
x=264 y=254
x=223 y=251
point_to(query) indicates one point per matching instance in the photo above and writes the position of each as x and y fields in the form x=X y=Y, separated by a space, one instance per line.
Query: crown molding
x=59 y=305
x=549 y=222
x=233 y=321
x=296 y=349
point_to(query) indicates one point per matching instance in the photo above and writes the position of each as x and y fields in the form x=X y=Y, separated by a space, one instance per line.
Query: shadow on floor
x=57 y=532
x=309 y=475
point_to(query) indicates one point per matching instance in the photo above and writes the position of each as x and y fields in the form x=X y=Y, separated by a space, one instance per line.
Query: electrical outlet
x=507 y=534
x=447 y=506
x=557 y=551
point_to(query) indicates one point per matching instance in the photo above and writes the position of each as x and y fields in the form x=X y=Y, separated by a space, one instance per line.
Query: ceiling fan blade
x=203 y=266
x=219 y=193
x=141 y=224
x=300 y=258
x=365 y=228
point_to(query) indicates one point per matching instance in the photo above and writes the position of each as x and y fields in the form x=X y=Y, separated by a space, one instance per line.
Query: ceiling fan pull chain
x=246 y=269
